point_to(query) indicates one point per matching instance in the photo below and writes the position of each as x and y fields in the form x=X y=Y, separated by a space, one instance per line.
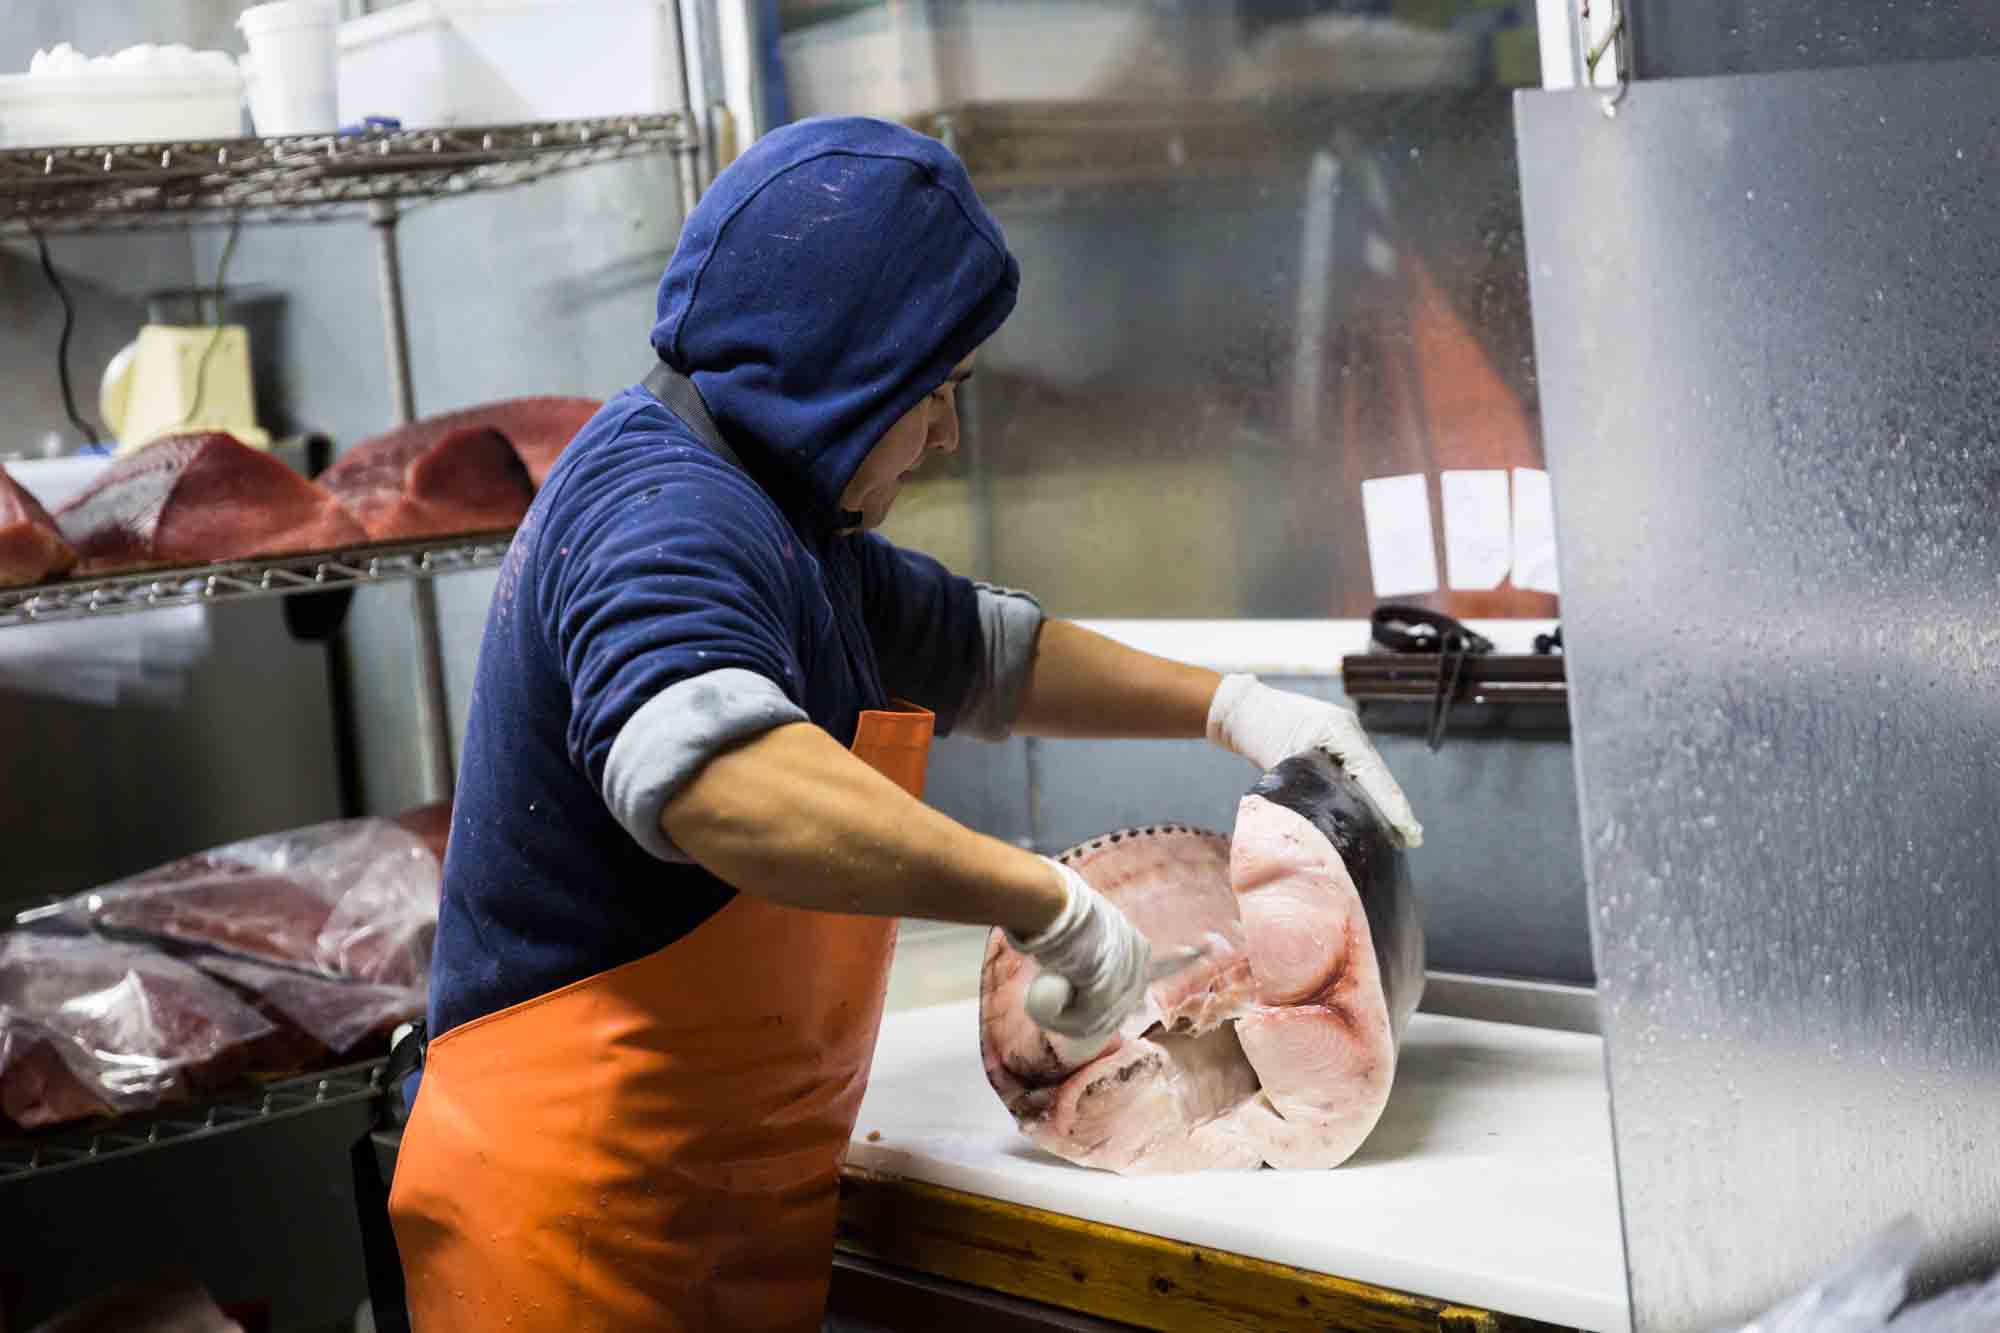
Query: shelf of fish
x=306 y=178
x=74 y=598
x=305 y=1094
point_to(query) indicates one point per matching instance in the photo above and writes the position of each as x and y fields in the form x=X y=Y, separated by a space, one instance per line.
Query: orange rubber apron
x=656 y=1147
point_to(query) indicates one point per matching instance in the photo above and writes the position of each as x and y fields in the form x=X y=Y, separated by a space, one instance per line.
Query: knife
x=1180 y=960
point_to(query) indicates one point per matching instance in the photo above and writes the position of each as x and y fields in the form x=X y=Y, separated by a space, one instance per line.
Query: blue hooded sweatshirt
x=660 y=604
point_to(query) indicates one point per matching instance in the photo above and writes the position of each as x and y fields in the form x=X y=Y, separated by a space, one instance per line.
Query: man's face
x=931 y=424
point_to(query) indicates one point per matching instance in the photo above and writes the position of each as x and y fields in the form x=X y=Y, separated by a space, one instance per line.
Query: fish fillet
x=197 y=499
x=413 y=484
x=539 y=428
x=31 y=548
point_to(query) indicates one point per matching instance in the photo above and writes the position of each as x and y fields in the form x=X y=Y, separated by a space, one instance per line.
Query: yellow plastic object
x=158 y=385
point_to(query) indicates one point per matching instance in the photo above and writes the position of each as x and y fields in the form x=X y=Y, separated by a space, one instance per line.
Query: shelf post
x=433 y=709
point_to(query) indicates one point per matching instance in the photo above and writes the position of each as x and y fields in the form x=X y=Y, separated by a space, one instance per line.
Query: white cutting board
x=1489 y=1181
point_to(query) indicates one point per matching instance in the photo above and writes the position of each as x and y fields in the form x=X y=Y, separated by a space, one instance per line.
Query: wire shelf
x=308 y=178
x=278 y=1100
x=73 y=599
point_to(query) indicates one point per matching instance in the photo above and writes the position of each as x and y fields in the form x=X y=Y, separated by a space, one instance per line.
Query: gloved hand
x=1268 y=726
x=1094 y=965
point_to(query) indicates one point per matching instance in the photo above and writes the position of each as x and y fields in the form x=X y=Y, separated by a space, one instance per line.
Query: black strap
x=387 y=1297
x=406 y=1056
x=683 y=399
x=1412 y=629
x=386 y=1294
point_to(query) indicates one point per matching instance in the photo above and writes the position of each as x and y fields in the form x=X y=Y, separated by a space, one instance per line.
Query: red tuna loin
x=412 y=484
x=36 y=1087
x=1278 y=1048
x=431 y=824
x=352 y=898
x=129 y=1026
x=333 y=1017
x=31 y=548
x=538 y=428
x=195 y=499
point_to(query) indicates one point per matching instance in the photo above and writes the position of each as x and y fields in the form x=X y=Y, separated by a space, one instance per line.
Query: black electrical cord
x=221 y=274
x=1412 y=629
x=76 y=418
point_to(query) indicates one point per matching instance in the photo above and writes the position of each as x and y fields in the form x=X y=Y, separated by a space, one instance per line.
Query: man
x=689 y=812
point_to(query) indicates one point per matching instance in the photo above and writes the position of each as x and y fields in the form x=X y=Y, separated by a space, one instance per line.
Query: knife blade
x=1166 y=965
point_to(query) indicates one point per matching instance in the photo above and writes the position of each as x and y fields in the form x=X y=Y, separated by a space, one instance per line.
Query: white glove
x=1268 y=726
x=1094 y=965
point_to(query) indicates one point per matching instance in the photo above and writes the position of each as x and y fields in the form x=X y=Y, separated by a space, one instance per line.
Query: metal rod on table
x=1031 y=763
x=433 y=708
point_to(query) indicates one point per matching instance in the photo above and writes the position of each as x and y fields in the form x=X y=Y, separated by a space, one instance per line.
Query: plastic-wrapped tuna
x=354 y=898
x=91 y=1026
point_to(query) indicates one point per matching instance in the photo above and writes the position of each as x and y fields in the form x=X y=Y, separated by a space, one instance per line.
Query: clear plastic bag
x=1863 y=1295
x=90 y=1025
x=354 y=897
x=338 y=1015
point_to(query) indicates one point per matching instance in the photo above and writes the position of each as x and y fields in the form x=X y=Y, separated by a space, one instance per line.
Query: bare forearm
x=1083 y=684
x=794 y=818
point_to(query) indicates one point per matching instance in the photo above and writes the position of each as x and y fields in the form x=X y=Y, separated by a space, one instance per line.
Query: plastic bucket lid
x=282 y=14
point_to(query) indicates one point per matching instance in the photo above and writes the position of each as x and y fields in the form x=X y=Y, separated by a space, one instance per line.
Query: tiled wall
x=1499 y=877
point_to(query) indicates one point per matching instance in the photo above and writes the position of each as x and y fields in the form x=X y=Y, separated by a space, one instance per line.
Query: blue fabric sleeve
x=642 y=599
x=963 y=650
x=924 y=621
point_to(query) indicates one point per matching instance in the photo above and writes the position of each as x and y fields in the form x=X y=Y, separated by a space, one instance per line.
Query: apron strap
x=387 y=1295
x=684 y=400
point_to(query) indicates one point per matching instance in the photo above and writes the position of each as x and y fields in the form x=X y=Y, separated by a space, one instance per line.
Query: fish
x=1277 y=1047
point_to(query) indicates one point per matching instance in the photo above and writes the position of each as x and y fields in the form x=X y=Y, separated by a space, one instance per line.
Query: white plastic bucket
x=294 y=87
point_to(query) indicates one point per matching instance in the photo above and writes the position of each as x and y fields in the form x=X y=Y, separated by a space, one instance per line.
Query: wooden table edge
x=1114 y=1273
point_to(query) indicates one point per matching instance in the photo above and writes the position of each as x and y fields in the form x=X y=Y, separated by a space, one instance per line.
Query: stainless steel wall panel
x=1673 y=39
x=1764 y=310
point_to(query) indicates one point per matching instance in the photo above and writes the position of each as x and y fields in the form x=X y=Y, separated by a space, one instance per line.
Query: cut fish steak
x=539 y=428
x=31 y=548
x=195 y=499
x=415 y=483
x=1279 y=1047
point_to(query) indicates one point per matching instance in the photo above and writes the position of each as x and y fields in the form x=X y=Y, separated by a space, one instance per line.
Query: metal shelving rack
x=378 y=176
x=319 y=571
x=277 y=1100
x=312 y=178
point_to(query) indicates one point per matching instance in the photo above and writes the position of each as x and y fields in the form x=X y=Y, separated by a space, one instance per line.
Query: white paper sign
x=1397 y=513
x=1534 y=532
x=1478 y=529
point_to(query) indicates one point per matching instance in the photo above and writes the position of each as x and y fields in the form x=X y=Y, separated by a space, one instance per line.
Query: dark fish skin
x=1317 y=789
